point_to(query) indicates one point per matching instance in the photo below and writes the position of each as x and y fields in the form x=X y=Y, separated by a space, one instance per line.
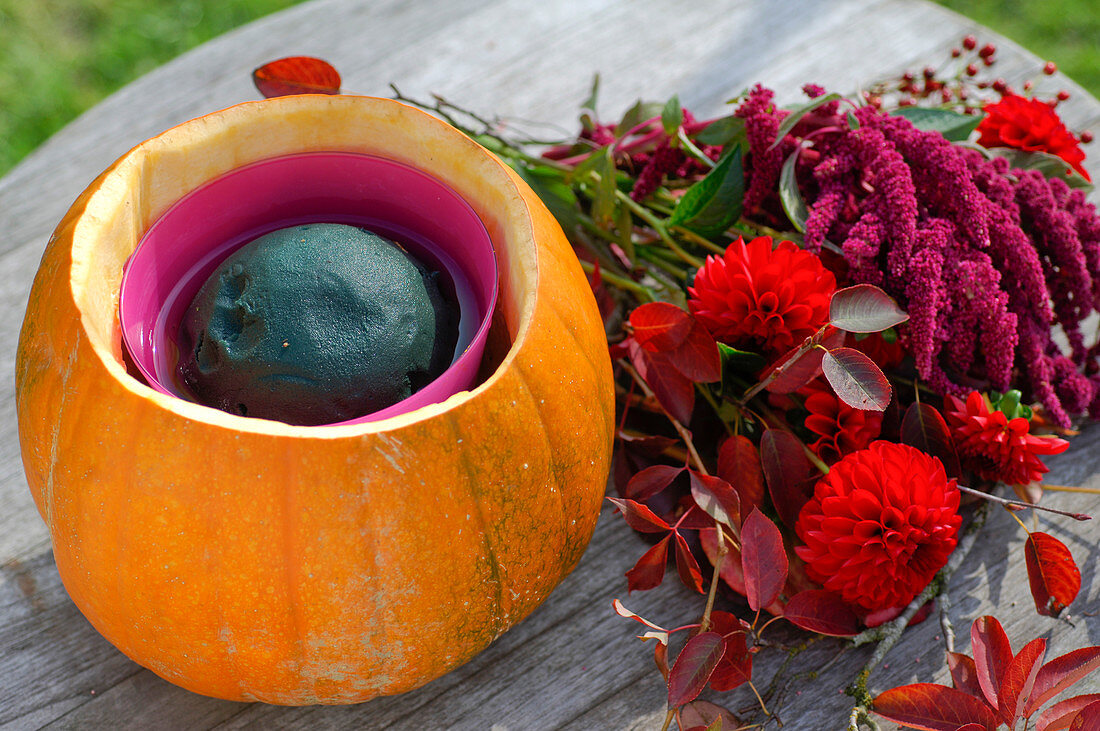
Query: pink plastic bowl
x=191 y=240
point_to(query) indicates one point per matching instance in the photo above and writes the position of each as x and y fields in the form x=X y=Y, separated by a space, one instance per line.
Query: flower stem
x=680 y=428
x=657 y=225
x=698 y=240
x=621 y=282
x=1020 y=504
x=1067 y=488
x=717 y=575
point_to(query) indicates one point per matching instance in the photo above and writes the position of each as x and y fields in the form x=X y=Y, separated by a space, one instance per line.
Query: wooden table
x=573 y=664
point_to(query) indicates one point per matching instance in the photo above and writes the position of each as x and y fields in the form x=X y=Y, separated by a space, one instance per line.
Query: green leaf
x=790 y=196
x=740 y=360
x=798 y=113
x=1051 y=166
x=640 y=112
x=672 y=116
x=711 y=206
x=603 y=206
x=624 y=226
x=588 y=106
x=853 y=123
x=724 y=132
x=555 y=194
x=954 y=126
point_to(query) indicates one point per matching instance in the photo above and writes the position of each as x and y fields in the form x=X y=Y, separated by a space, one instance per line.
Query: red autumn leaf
x=704 y=713
x=660 y=659
x=806 y=366
x=763 y=560
x=639 y=517
x=659 y=633
x=649 y=572
x=1087 y=719
x=648 y=444
x=660 y=326
x=673 y=390
x=687 y=566
x=739 y=465
x=934 y=708
x=735 y=667
x=924 y=427
x=788 y=472
x=971 y=727
x=1060 y=673
x=821 y=611
x=1062 y=714
x=992 y=655
x=695 y=519
x=864 y=308
x=856 y=379
x=651 y=481
x=964 y=675
x=1018 y=681
x=1052 y=573
x=296 y=75
x=693 y=667
x=717 y=498
x=697 y=357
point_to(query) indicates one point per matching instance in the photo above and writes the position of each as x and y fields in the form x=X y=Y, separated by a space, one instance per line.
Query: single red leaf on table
x=1060 y=673
x=1052 y=573
x=1018 y=681
x=934 y=708
x=697 y=357
x=763 y=560
x=651 y=481
x=687 y=566
x=789 y=473
x=1063 y=713
x=739 y=465
x=924 y=428
x=693 y=667
x=821 y=611
x=856 y=379
x=717 y=497
x=639 y=517
x=964 y=676
x=992 y=655
x=660 y=326
x=296 y=75
x=649 y=571
x=864 y=308
x=674 y=391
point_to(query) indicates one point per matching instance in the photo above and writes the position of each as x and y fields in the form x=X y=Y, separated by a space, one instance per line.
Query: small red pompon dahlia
x=879 y=526
x=1030 y=125
x=995 y=447
x=756 y=297
x=840 y=428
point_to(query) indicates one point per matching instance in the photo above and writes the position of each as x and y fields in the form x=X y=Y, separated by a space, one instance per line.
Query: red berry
x=929 y=72
x=1049 y=68
x=1086 y=137
x=945 y=94
x=970 y=43
x=907 y=76
x=988 y=60
x=1000 y=86
x=1063 y=95
x=971 y=70
x=987 y=50
x=956 y=52
x=1028 y=85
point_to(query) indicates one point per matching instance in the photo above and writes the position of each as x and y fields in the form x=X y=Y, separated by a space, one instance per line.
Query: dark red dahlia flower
x=840 y=428
x=995 y=447
x=879 y=526
x=762 y=299
x=1030 y=125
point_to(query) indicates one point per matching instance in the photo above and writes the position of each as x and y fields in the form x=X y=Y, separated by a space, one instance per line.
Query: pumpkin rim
x=111 y=190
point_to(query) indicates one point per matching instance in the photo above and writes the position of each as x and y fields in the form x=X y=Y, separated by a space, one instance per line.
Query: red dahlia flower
x=1031 y=125
x=995 y=447
x=840 y=428
x=762 y=299
x=879 y=526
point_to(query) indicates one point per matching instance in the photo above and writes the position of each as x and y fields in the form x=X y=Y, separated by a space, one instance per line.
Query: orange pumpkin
x=252 y=560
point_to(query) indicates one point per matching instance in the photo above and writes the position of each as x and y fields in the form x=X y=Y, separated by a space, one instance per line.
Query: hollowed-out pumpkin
x=249 y=559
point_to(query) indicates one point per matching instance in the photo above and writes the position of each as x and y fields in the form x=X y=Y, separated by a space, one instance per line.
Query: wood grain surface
x=573 y=664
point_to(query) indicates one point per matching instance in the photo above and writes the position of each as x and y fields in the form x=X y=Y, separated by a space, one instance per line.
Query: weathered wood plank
x=573 y=664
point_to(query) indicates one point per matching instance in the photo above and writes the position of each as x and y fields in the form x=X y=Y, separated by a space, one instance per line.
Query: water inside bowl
x=191 y=240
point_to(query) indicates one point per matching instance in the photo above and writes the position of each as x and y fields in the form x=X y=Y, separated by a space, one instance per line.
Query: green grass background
x=59 y=57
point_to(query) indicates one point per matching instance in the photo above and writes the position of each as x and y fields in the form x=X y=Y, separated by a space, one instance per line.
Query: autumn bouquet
x=840 y=331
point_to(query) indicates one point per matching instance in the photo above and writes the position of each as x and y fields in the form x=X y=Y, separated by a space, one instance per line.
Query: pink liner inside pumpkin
x=191 y=240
